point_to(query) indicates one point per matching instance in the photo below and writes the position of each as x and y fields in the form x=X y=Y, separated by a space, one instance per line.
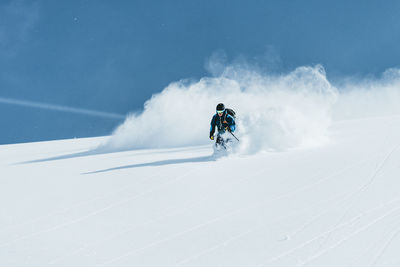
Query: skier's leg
x=221 y=141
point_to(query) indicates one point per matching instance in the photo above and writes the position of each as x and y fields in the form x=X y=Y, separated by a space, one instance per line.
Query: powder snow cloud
x=274 y=112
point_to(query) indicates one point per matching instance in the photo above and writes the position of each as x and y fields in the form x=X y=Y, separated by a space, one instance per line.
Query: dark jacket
x=221 y=122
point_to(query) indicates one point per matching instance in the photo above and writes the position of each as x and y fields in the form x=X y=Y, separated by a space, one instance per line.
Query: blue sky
x=111 y=56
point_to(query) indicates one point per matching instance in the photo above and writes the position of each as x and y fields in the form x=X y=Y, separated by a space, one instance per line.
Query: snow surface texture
x=332 y=205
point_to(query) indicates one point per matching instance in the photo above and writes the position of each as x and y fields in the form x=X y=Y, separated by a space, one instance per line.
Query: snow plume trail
x=274 y=112
x=369 y=97
x=82 y=111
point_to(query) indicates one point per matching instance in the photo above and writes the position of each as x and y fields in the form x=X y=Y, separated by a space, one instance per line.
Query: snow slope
x=332 y=205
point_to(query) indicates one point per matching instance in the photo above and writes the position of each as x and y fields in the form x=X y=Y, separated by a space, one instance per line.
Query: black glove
x=227 y=128
x=211 y=135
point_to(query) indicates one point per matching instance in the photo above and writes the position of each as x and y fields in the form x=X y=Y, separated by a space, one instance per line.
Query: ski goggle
x=220 y=111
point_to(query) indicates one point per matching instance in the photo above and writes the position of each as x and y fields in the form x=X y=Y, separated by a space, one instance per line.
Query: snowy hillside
x=336 y=204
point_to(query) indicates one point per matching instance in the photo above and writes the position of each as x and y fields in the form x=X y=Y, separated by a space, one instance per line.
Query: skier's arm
x=212 y=128
x=231 y=123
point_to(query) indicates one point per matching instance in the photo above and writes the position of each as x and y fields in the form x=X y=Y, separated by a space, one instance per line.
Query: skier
x=223 y=121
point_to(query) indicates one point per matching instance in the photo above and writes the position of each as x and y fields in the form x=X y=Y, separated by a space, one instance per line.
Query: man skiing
x=223 y=122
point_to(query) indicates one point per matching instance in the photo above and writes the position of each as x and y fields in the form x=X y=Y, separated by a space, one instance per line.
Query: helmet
x=220 y=107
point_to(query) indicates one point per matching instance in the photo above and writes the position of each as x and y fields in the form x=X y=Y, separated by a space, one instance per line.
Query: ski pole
x=234 y=136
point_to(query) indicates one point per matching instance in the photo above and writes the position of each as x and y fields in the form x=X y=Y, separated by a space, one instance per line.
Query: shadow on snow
x=158 y=163
x=101 y=152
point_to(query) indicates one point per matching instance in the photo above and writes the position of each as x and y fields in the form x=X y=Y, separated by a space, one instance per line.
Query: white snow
x=336 y=204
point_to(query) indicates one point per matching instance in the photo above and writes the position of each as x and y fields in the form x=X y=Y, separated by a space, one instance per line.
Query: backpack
x=231 y=112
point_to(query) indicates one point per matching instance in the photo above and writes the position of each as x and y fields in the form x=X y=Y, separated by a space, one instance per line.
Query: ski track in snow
x=336 y=227
x=319 y=181
x=380 y=254
x=190 y=230
x=244 y=233
x=73 y=207
x=344 y=199
x=351 y=195
x=370 y=181
x=179 y=233
x=338 y=243
x=231 y=213
x=215 y=247
x=178 y=211
x=96 y=212
x=340 y=224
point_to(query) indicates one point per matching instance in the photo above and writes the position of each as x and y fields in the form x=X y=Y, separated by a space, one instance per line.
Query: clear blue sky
x=113 y=55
